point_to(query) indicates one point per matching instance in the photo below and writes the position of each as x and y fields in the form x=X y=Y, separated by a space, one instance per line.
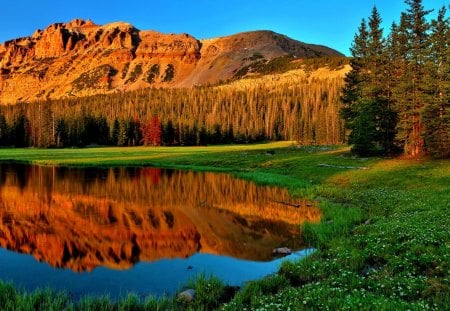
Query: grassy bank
x=383 y=243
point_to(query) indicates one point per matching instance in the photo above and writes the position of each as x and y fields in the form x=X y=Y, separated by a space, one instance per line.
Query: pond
x=96 y=231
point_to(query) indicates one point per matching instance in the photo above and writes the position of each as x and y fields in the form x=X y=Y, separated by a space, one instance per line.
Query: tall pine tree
x=4 y=131
x=367 y=107
x=352 y=92
x=377 y=88
x=436 y=114
x=412 y=81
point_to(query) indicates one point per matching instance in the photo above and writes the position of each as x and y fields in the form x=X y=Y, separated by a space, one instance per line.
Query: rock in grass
x=282 y=251
x=368 y=270
x=188 y=295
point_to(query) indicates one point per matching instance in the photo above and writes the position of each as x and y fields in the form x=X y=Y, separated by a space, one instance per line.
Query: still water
x=146 y=230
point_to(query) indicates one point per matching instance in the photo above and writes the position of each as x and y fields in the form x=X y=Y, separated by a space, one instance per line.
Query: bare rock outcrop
x=51 y=62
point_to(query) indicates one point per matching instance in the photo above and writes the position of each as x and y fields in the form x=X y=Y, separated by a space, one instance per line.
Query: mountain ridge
x=82 y=58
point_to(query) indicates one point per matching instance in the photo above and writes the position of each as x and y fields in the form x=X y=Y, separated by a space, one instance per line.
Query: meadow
x=383 y=241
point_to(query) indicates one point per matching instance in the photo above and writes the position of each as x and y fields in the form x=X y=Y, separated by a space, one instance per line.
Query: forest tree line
x=306 y=111
x=397 y=95
x=395 y=99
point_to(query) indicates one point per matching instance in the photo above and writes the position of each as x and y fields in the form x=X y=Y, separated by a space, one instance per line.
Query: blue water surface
x=162 y=277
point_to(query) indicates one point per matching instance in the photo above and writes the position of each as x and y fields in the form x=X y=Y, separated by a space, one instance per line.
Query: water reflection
x=84 y=218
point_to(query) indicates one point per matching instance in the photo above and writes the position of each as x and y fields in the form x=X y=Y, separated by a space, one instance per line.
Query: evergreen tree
x=352 y=92
x=229 y=135
x=103 y=131
x=168 y=133
x=189 y=136
x=115 y=132
x=203 y=137
x=61 y=133
x=136 y=132
x=124 y=133
x=377 y=89
x=398 y=80
x=367 y=108
x=436 y=114
x=128 y=134
x=4 y=131
x=364 y=129
x=217 y=134
x=19 y=131
x=412 y=91
x=195 y=135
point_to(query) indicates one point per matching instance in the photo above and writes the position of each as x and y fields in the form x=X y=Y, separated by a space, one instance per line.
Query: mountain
x=81 y=58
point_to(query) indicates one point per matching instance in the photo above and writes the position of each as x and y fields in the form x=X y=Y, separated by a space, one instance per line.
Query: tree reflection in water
x=85 y=218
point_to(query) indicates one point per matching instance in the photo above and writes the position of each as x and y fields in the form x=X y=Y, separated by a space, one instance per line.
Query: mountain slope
x=81 y=58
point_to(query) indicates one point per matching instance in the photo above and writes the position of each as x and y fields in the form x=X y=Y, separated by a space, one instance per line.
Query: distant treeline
x=397 y=96
x=306 y=111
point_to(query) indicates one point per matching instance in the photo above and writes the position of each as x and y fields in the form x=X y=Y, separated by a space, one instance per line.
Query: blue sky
x=329 y=22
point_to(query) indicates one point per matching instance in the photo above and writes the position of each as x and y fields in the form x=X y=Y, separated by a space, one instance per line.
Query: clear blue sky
x=329 y=22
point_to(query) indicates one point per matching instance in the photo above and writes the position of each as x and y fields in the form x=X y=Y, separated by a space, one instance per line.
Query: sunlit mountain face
x=82 y=58
x=81 y=219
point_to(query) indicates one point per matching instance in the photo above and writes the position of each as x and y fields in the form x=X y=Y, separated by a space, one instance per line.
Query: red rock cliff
x=67 y=59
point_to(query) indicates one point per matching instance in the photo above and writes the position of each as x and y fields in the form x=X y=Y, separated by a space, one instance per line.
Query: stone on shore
x=187 y=295
x=282 y=251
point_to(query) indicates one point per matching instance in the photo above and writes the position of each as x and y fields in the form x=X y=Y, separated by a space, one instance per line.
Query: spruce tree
x=61 y=133
x=413 y=92
x=102 y=130
x=399 y=80
x=377 y=90
x=352 y=91
x=4 y=131
x=19 y=131
x=168 y=133
x=367 y=104
x=115 y=132
x=436 y=114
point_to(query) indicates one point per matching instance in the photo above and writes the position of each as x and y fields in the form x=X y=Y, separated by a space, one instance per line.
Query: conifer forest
x=395 y=99
x=307 y=112
x=397 y=95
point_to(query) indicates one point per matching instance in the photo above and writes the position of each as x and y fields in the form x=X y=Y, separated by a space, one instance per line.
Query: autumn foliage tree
x=151 y=132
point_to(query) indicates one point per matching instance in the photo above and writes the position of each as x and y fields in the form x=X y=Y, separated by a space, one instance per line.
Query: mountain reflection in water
x=85 y=218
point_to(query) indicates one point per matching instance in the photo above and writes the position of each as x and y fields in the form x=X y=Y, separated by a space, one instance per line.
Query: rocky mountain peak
x=82 y=58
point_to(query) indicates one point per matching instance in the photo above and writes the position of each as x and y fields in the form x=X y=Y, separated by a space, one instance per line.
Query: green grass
x=383 y=241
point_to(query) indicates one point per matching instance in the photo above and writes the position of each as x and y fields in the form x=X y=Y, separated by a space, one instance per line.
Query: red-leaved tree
x=151 y=132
